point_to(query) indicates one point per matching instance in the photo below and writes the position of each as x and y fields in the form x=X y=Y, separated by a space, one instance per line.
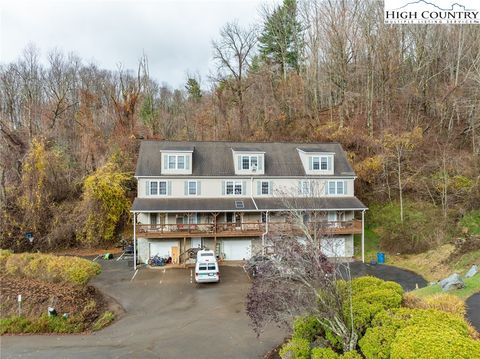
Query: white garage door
x=333 y=247
x=162 y=248
x=236 y=250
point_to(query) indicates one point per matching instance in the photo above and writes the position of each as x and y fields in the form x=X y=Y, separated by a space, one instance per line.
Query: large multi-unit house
x=231 y=196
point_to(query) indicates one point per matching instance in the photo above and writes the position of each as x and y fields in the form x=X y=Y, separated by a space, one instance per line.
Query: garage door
x=162 y=248
x=333 y=247
x=235 y=250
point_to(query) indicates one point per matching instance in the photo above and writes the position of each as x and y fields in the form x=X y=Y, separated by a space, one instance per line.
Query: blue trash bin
x=380 y=258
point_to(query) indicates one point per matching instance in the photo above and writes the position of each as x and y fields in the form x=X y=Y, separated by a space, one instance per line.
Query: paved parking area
x=167 y=315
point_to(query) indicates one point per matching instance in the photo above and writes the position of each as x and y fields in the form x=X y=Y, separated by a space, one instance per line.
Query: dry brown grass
x=444 y=302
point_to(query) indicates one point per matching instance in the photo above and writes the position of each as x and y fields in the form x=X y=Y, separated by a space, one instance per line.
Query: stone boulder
x=472 y=271
x=452 y=282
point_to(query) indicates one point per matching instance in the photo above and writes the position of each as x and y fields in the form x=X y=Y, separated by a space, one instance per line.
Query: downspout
x=251 y=193
x=134 y=241
x=363 y=236
x=265 y=233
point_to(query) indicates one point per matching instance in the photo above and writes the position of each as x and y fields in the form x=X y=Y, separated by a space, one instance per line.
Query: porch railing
x=333 y=227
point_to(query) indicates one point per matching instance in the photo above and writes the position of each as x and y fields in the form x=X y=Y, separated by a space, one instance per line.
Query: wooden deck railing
x=242 y=229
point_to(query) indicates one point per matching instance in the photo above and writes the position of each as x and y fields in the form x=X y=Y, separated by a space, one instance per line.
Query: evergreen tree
x=281 y=38
x=193 y=89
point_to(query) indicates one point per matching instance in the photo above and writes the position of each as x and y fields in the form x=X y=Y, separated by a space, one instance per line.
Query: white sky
x=175 y=35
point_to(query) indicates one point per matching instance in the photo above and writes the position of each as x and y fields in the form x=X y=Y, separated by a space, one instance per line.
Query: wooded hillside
x=403 y=100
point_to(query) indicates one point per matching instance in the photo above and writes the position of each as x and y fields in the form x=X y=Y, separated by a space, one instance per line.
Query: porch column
x=134 y=241
x=363 y=236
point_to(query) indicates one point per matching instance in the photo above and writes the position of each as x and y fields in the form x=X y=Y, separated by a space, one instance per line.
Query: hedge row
x=48 y=267
x=418 y=333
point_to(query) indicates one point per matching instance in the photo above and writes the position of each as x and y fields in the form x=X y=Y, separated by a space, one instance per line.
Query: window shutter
x=165 y=162
x=185 y=188
x=345 y=187
x=244 y=187
x=259 y=187
x=187 y=162
x=325 y=187
x=329 y=163
x=223 y=188
x=260 y=162
x=270 y=187
x=239 y=162
x=310 y=163
x=169 y=188
x=147 y=188
x=199 y=188
x=299 y=187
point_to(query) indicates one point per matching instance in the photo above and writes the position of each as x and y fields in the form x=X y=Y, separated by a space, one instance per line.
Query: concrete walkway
x=473 y=310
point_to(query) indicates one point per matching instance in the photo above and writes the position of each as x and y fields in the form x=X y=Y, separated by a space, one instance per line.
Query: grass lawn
x=472 y=285
x=429 y=264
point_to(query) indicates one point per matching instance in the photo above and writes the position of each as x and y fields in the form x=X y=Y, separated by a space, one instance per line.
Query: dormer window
x=248 y=161
x=177 y=161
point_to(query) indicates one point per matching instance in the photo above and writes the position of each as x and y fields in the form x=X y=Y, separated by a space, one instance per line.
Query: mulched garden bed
x=38 y=295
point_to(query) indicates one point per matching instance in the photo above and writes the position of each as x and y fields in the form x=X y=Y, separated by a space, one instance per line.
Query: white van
x=206 y=271
x=206 y=255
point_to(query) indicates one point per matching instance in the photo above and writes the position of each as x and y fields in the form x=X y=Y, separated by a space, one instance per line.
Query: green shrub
x=296 y=348
x=307 y=327
x=471 y=222
x=103 y=321
x=431 y=341
x=13 y=324
x=328 y=353
x=370 y=296
x=324 y=353
x=52 y=268
x=42 y=324
x=379 y=339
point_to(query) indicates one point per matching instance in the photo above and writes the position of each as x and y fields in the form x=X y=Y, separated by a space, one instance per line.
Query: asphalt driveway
x=167 y=316
x=473 y=310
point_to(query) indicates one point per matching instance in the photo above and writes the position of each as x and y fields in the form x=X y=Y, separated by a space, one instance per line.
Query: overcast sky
x=175 y=35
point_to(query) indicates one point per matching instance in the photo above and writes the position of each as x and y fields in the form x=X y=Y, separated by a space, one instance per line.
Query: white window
x=233 y=187
x=249 y=162
x=336 y=187
x=158 y=188
x=192 y=188
x=176 y=162
x=245 y=162
x=305 y=187
x=265 y=187
x=180 y=162
x=162 y=188
x=321 y=163
x=153 y=188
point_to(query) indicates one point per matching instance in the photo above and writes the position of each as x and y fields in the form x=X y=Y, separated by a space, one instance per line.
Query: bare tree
x=233 y=53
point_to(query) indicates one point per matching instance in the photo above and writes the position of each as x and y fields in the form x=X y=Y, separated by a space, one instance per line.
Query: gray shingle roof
x=215 y=158
x=228 y=204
